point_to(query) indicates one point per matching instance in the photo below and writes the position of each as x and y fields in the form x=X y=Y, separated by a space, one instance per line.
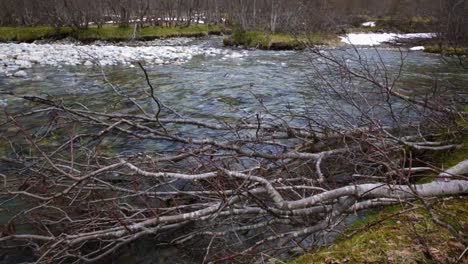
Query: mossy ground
x=447 y=50
x=108 y=32
x=408 y=238
x=29 y=34
x=279 y=41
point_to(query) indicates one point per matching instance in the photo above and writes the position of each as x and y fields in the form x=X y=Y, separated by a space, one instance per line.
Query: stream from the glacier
x=222 y=83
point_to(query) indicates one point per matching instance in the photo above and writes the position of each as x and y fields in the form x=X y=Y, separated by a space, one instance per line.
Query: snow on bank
x=417 y=48
x=14 y=57
x=369 y=24
x=374 y=39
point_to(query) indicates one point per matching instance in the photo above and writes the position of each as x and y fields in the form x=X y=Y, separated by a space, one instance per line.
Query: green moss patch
x=115 y=33
x=411 y=237
x=29 y=34
x=447 y=51
x=108 y=32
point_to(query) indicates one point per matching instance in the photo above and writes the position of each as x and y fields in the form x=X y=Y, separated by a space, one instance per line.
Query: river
x=215 y=83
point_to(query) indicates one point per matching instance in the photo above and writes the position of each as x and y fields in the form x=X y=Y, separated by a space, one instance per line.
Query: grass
x=108 y=32
x=278 y=41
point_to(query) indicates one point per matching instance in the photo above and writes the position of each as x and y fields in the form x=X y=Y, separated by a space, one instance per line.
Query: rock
x=23 y=64
x=20 y=74
x=12 y=68
x=24 y=55
x=38 y=78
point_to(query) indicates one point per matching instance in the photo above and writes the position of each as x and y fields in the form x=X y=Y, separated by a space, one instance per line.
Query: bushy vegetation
x=393 y=24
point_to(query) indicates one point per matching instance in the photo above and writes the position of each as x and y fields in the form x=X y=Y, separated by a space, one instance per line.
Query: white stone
x=24 y=55
x=23 y=64
x=3 y=102
x=88 y=63
x=20 y=74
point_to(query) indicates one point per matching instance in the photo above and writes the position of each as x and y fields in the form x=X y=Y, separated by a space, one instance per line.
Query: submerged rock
x=38 y=78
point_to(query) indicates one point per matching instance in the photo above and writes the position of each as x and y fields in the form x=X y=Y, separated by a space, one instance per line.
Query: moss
x=456 y=156
x=278 y=41
x=147 y=33
x=29 y=34
x=397 y=239
x=108 y=32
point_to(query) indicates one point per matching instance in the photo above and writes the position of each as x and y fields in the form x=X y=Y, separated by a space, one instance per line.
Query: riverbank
x=401 y=234
x=279 y=41
x=18 y=59
x=391 y=237
x=105 y=33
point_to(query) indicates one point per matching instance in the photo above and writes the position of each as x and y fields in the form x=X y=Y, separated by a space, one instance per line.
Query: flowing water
x=225 y=86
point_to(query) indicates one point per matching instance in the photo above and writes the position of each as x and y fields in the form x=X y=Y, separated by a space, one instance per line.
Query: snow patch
x=418 y=48
x=374 y=39
x=369 y=24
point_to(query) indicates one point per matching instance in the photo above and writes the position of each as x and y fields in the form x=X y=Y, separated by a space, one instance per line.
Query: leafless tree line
x=273 y=15
x=263 y=185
